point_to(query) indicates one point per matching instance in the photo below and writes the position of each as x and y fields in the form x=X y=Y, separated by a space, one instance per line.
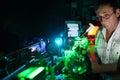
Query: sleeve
x=96 y=44
x=118 y=65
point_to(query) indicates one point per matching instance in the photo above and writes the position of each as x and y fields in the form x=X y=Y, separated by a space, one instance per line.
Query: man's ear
x=118 y=12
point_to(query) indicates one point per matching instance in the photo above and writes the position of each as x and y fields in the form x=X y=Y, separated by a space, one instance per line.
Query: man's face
x=107 y=17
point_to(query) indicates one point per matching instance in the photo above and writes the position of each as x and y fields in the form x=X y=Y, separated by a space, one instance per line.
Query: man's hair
x=113 y=3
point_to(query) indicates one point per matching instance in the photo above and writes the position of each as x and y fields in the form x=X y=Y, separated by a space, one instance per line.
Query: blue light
x=58 y=41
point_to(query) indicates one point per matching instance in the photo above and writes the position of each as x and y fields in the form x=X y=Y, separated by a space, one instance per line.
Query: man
x=107 y=42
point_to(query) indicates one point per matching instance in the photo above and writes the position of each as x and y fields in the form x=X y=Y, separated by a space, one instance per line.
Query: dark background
x=42 y=18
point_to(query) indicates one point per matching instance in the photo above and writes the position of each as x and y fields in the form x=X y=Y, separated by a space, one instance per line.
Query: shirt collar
x=104 y=29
